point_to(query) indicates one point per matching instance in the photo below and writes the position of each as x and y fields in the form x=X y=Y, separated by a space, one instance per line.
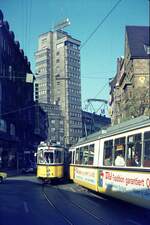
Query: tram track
x=128 y=221
x=65 y=218
x=100 y=220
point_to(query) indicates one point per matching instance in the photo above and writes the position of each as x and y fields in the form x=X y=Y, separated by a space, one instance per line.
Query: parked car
x=3 y=176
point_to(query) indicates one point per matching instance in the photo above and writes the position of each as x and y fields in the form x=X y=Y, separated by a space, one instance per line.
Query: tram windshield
x=48 y=157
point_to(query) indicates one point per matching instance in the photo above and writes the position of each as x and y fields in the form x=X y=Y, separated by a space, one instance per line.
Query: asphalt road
x=24 y=201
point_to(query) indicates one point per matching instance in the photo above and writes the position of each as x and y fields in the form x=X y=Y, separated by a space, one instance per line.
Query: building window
x=0 y=92
x=61 y=122
x=53 y=129
x=4 y=70
x=12 y=129
x=10 y=71
x=4 y=44
x=147 y=49
x=44 y=42
x=61 y=130
x=53 y=121
x=3 y=125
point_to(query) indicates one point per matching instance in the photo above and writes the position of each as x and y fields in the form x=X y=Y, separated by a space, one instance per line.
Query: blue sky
x=29 y=18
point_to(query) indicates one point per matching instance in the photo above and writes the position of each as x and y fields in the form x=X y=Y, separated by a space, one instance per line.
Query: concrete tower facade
x=58 y=79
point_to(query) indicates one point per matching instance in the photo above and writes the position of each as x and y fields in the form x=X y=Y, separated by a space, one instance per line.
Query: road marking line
x=26 y=207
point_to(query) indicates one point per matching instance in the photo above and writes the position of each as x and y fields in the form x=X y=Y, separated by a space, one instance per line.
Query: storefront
x=8 y=151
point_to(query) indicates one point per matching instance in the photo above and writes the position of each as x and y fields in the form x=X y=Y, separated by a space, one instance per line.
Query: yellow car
x=2 y=177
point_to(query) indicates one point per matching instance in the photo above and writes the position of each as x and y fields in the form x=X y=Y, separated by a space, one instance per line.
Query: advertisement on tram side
x=132 y=184
x=86 y=176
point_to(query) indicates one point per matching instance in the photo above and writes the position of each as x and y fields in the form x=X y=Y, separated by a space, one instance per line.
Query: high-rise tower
x=58 y=79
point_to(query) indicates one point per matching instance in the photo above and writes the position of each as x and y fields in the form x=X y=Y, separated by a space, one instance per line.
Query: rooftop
x=138 y=40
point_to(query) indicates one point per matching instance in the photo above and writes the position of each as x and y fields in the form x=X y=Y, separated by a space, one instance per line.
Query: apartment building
x=18 y=136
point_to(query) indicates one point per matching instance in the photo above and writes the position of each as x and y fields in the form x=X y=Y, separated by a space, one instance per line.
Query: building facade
x=55 y=123
x=17 y=108
x=92 y=122
x=58 y=79
x=131 y=86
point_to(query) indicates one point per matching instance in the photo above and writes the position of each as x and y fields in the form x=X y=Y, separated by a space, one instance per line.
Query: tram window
x=77 y=159
x=108 y=148
x=58 y=157
x=73 y=157
x=85 y=155
x=70 y=157
x=91 y=155
x=120 y=152
x=134 y=148
x=146 y=162
x=40 y=157
x=48 y=156
x=81 y=155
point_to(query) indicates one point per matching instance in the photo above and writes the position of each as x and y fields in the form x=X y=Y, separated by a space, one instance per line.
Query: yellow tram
x=115 y=162
x=50 y=161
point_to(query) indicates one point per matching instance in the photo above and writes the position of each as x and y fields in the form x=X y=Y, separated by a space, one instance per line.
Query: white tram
x=50 y=161
x=116 y=162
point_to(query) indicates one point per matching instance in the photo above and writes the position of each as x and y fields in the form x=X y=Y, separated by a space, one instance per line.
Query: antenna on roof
x=62 y=24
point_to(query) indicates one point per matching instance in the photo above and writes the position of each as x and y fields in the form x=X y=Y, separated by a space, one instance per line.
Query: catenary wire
x=17 y=110
x=100 y=24
x=90 y=36
x=97 y=27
